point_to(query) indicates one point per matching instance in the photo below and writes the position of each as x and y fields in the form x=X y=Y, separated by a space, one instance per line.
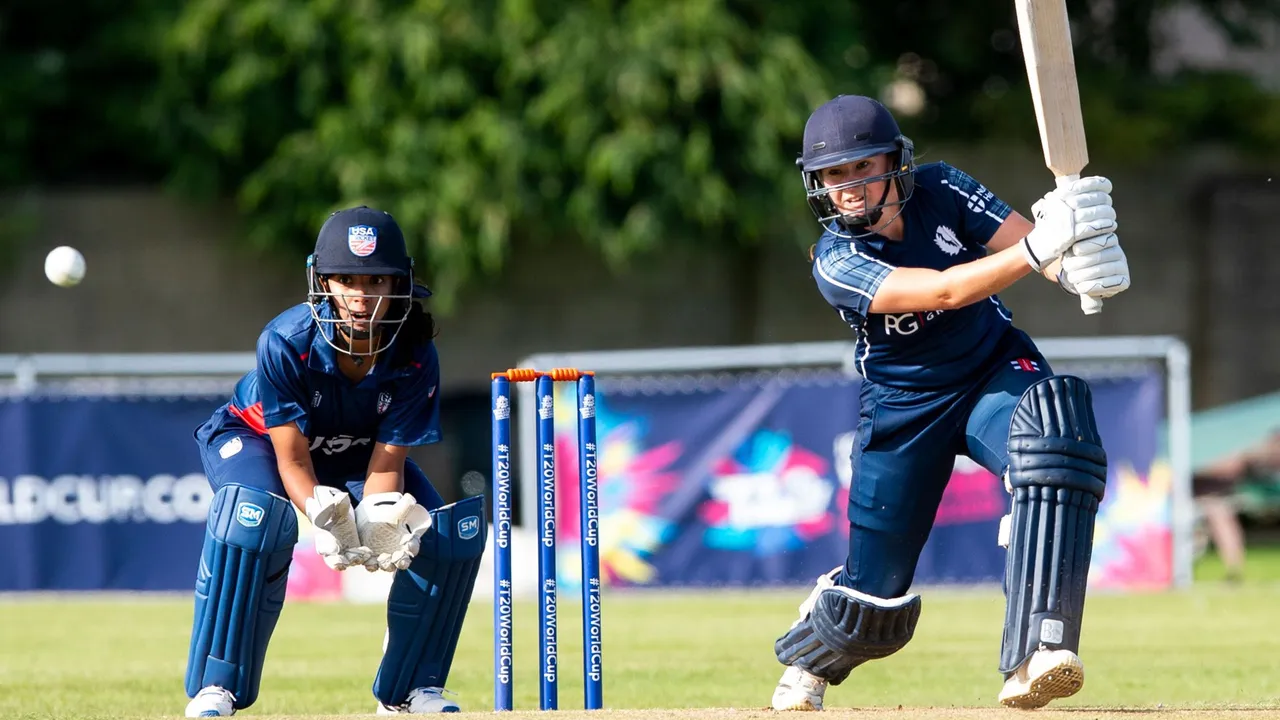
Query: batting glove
x=1075 y=211
x=1095 y=267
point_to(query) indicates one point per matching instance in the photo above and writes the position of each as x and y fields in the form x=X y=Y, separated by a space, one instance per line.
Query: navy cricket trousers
x=903 y=457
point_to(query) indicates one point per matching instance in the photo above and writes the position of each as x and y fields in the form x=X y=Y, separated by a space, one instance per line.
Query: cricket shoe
x=212 y=701
x=1046 y=676
x=799 y=690
x=422 y=701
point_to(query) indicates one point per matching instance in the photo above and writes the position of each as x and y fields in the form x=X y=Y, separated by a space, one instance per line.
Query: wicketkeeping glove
x=391 y=525
x=336 y=539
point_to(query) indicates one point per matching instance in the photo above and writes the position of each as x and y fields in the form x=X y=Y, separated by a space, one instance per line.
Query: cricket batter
x=912 y=258
x=345 y=384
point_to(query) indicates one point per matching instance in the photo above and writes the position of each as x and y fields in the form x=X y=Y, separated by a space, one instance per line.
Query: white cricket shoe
x=212 y=701
x=422 y=701
x=799 y=690
x=1046 y=676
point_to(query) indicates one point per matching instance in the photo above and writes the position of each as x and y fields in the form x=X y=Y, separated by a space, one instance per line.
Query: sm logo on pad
x=249 y=515
x=468 y=527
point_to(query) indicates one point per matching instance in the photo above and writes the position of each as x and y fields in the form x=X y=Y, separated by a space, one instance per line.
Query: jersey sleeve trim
x=852 y=277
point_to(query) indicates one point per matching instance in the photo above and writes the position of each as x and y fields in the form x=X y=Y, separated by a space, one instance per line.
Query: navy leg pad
x=1058 y=474
x=1053 y=438
x=240 y=588
x=1047 y=568
x=428 y=603
x=846 y=628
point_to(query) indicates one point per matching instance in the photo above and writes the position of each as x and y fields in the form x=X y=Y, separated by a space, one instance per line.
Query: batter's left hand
x=391 y=525
x=1096 y=267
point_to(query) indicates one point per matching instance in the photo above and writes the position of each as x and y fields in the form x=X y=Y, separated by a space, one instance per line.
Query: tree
x=970 y=65
x=621 y=126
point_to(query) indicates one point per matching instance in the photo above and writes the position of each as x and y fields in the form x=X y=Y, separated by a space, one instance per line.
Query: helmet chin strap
x=873 y=215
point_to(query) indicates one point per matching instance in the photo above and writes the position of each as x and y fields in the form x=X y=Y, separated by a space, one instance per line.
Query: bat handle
x=1088 y=305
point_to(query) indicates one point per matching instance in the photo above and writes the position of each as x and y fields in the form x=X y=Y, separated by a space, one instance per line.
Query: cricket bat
x=1051 y=70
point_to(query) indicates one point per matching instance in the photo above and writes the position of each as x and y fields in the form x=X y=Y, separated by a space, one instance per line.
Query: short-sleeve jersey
x=948 y=221
x=297 y=380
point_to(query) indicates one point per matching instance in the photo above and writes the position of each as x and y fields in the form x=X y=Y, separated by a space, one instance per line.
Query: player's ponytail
x=419 y=329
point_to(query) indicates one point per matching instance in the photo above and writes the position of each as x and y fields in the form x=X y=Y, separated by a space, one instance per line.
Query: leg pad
x=428 y=603
x=240 y=588
x=1057 y=474
x=846 y=628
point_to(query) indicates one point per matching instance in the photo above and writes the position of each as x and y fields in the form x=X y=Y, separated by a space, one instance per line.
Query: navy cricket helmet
x=846 y=129
x=361 y=241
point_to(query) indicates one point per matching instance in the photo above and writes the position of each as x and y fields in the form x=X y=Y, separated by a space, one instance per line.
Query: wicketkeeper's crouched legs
x=1057 y=474
x=427 y=605
x=240 y=589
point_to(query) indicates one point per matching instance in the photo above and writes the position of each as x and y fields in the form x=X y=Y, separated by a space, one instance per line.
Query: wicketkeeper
x=345 y=384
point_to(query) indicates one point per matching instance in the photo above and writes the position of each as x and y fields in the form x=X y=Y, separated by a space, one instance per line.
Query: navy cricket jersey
x=297 y=380
x=948 y=221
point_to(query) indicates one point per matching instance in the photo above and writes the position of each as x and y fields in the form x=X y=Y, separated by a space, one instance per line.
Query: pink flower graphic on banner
x=973 y=494
x=632 y=479
x=1132 y=538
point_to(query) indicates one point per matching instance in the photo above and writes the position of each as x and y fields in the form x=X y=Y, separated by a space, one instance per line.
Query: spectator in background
x=1213 y=488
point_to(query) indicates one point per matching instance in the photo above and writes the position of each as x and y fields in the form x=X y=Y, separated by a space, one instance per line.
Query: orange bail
x=517 y=375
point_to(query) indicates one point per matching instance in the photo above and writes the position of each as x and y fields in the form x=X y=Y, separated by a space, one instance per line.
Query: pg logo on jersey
x=384 y=402
x=362 y=240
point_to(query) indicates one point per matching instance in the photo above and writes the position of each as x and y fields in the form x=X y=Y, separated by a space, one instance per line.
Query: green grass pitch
x=1212 y=651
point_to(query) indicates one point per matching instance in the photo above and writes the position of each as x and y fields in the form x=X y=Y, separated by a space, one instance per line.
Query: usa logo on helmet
x=362 y=240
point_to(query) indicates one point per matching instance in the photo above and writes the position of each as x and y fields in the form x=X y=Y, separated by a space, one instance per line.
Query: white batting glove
x=391 y=525
x=1095 y=267
x=1076 y=211
x=336 y=538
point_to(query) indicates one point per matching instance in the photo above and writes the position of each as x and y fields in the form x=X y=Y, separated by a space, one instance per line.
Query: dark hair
x=419 y=329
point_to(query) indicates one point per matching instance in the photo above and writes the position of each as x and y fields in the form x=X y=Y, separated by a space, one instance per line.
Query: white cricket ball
x=64 y=266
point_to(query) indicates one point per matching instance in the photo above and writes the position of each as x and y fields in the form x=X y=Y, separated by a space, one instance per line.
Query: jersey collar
x=322 y=357
x=873 y=241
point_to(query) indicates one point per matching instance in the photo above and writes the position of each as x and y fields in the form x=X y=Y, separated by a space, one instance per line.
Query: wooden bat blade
x=1051 y=70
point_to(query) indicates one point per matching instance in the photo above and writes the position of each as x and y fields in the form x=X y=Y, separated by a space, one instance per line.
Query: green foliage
x=620 y=126
x=971 y=66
